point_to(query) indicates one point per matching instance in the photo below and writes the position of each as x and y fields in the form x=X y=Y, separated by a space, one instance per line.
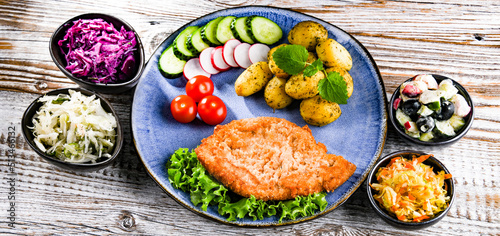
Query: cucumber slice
x=434 y=106
x=239 y=29
x=263 y=30
x=402 y=117
x=444 y=128
x=456 y=122
x=426 y=137
x=209 y=30
x=223 y=32
x=413 y=134
x=430 y=96
x=170 y=66
x=448 y=89
x=195 y=43
x=425 y=111
x=411 y=126
x=181 y=50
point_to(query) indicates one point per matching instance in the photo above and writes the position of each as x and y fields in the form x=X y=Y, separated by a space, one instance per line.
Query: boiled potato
x=318 y=111
x=333 y=54
x=347 y=78
x=275 y=94
x=311 y=57
x=301 y=87
x=253 y=79
x=307 y=34
x=272 y=64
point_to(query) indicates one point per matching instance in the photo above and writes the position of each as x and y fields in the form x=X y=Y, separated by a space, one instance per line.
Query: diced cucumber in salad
x=429 y=111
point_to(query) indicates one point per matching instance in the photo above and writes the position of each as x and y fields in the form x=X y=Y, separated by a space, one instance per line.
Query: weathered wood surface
x=457 y=38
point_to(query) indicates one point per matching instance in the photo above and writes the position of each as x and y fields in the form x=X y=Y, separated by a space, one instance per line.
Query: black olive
x=411 y=107
x=425 y=124
x=445 y=111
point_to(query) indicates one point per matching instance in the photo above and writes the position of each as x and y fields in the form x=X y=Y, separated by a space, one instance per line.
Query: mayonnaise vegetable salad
x=74 y=128
x=411 y=190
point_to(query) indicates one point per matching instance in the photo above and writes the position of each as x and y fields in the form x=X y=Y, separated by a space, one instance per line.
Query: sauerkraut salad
x=74 y=128
x=411 y=190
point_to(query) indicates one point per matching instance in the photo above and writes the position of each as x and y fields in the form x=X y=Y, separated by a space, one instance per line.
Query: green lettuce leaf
x=303 y=206
x=185 y=172
x=180 y=168
x=204 y=189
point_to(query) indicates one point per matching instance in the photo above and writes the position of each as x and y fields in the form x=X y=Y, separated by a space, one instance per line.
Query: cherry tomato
x=183 y=108
x=212 y=110
x=199 y=87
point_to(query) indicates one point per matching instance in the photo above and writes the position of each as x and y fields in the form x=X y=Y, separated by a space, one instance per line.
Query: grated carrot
x=393 y=160
x=420 y=218
x=423 y=158
x=409 y=186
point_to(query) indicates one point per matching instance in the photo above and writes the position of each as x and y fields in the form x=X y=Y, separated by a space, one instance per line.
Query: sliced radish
x=193 y=68
x=227 y=52
x=206 y=61
x=258 y=52
x=241 y=55
x=217 y=60
x=428 y=79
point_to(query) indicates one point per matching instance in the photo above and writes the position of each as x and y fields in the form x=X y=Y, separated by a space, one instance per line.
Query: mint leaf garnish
x=291 y=58
x=312 y=69
x=333 y=88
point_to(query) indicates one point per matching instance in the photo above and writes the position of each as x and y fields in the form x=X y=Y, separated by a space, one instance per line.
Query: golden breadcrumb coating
x=272 y=159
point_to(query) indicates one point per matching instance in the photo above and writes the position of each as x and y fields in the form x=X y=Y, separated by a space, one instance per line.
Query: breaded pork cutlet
x=271 y=159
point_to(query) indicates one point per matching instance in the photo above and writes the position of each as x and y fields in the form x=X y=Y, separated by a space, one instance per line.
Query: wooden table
x=456 y=38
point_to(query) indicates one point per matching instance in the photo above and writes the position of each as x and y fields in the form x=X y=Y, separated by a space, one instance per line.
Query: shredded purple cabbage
x=96 y=51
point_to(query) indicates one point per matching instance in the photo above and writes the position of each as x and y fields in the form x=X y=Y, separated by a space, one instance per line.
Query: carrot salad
x=410 y=189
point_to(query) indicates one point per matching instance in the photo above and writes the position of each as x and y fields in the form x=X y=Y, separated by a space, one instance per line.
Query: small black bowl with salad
x=410 y=190
x=431 y=110
x=99 y=52
x=74 y=129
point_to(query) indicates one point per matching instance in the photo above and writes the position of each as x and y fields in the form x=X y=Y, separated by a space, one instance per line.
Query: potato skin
x=347 y=78
x=307 y=34
x=275 y=94
x=318 y=111
x=272 y=64
x=311 y=57
x=253 y=79
x=333 y=54
x=301 y=87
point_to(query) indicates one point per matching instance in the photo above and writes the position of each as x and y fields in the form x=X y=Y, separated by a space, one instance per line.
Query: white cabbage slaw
x=74 y=128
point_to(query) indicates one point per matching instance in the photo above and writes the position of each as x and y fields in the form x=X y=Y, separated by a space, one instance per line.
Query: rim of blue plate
x=345 y=196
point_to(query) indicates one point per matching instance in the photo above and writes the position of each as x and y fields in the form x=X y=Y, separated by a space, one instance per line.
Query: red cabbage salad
x=97 y=52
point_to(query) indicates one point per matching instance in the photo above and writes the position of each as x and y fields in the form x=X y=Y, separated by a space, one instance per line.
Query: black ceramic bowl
x=27 y=121
x=58 y=56
x=391 y=219
x=440 y=142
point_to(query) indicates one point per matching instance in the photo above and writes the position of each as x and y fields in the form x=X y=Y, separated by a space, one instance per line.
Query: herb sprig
x=293 y=60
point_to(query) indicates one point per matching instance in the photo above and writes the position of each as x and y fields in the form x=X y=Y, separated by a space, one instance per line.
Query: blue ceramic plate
x=358 y=135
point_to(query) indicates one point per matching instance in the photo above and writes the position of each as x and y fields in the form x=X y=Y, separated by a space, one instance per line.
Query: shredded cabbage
x=96 y=51
x=411 y=190
x=185 y=172
x=74 y=128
